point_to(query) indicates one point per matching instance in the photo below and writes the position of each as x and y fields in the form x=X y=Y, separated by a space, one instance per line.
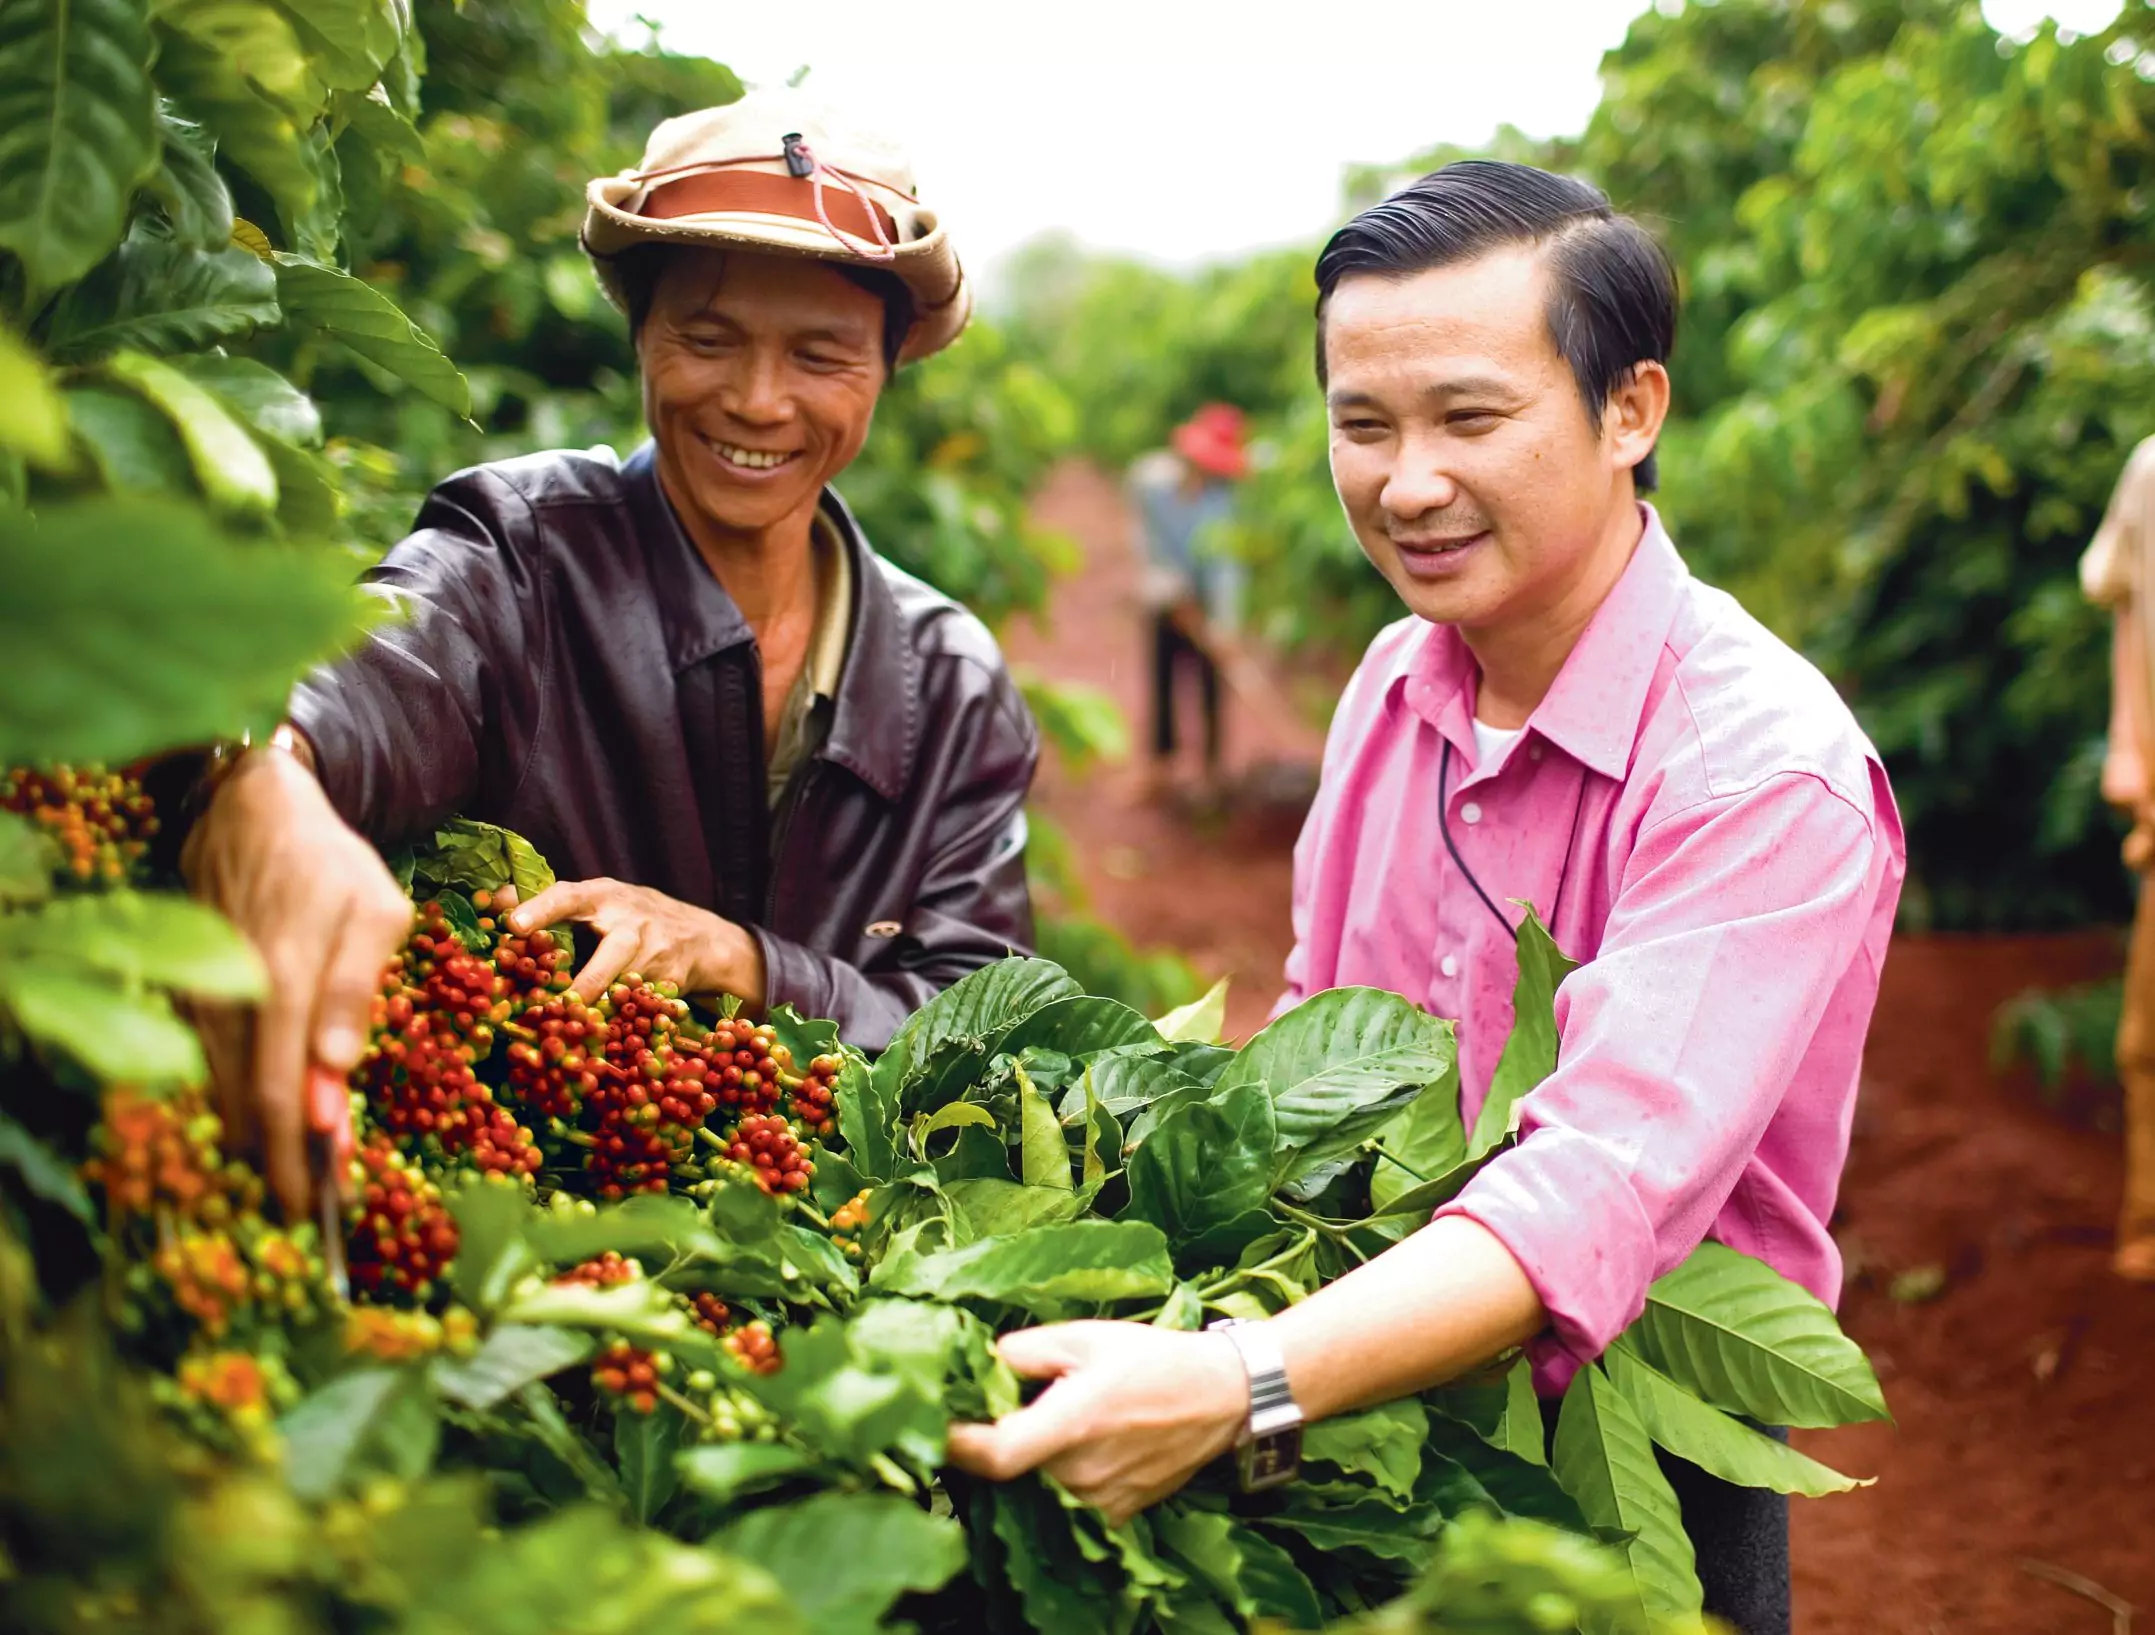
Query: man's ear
x=1631 y=419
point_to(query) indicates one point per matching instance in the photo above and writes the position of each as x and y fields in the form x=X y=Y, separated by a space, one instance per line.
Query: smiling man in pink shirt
x=1566 y=718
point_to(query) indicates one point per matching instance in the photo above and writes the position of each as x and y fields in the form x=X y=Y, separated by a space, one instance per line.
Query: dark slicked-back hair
x=1612 y=297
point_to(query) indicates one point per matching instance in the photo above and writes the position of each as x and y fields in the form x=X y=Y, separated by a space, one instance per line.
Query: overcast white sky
x=1180 y=129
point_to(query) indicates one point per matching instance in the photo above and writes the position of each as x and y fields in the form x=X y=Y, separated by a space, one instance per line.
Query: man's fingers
x=282 y=1040
x=374 y=927
x=1021 y=1441
x=615 y=953
x=563 y=900
x=1046 y=1352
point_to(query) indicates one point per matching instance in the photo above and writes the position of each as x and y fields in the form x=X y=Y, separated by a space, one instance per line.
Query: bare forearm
x=1426 y=1310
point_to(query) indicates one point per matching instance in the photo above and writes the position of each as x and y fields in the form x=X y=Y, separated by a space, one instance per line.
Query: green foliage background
x=1916 y=350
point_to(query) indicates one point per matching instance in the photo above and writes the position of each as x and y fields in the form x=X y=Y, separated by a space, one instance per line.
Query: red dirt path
x=2024 y=1389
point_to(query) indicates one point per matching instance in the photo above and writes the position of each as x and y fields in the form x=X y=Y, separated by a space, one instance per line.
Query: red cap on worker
x=1211 y=440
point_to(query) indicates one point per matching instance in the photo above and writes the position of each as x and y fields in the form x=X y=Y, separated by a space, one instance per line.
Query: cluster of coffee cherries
x=101 y=821
x=162 y=1158
x=399 y=1234
x=230 y=1399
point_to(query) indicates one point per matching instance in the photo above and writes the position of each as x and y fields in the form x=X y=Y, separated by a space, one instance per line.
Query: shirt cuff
x=1564 y=1206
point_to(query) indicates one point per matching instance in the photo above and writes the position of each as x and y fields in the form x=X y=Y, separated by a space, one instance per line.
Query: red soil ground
x=2023 y=1381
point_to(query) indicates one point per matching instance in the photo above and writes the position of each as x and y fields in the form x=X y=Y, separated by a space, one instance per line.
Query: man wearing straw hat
x=762 y=760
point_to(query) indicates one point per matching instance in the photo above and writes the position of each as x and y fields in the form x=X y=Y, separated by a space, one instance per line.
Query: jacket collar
x=1593 y=709
x=875 y=727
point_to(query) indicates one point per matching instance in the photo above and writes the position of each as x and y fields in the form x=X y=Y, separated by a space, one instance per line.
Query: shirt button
x=1471 y=812
x=1448 y=965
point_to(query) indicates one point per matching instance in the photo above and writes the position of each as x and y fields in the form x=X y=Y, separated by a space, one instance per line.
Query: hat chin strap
x=881 y=249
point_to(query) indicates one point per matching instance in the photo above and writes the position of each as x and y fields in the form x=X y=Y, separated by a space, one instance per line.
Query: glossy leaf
x=728 y=1471
x=1521 y=1431
x=1338 y=1063
x=133 y=447
x=44 y=1172
x=1077 y=1025
x=973 y=1013
x=1742 y=1337
x=644 y=1447
x=1205 y=1165
x=323 y=1435
x=131 y=626
x=1244 y=1569
x=889 y=1548
x=349 y=41
x=512 y=1357
x=1044 y=1155
x=1383 y=1445
x=1201 y=1021
x=268 y=402
x=229 y=465
x=134 y=1036
x=1530 y=1050
x=994 y=1209
x=158 y=296
x=155 y=939
x=1715 y=1442
x=1604 y=1460
x=1083 y=1263
x=259 y=133
x=195 y=199
x=1426 y=1139
x=78 y=131
x=28 y=858
x=355 y=313
x=33 y=415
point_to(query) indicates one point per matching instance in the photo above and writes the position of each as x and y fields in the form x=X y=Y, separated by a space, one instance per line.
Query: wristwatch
x=1270 y=1449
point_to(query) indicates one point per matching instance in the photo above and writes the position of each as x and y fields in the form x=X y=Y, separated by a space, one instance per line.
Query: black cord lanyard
x=1444 y=827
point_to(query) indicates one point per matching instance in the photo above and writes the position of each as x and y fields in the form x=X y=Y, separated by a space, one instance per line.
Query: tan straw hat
x=781 y=173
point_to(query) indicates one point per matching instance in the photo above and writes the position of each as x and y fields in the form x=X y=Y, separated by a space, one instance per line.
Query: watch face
x=1268 y=1460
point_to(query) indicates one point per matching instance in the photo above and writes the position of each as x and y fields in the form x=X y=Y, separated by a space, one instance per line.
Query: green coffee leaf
x=394 y=139
x=43 y=1171
x=131 y=626
x=512 y=1357
x=234 y=474
x=1713 y=1441
x=990 y=1208
x=1078 y=1025
x=1459 y=1466
x=1530 y=1052
x=1089 y=1262
x=260 y=396
x=733 y=1470
x=140 y=938
x=1604 y=1460
x=1338 y=1064
x=28 y=858
x=157 y=295
x=890 y=1548
x=135 y=449
x=1201 y=1021
x=956 y=1115
x=1369 y=1525
x=1521 y=1431
x=658 y=1228
x=263 y=134
x=78 y=132
x=1382 y=1444
x=1736 y=1333
x=1425 y=1140
x=1043 y=1154
x=968 y=1017
x=116 y=1034
x=349 y=42
x=324 y=1434
x=1205 y=1165
x=644 y=1448
x=362 y=318
x=33 y=415
x=640 y=1311
x=1062 y=1589
x=196 y=201
x=1246 y=1570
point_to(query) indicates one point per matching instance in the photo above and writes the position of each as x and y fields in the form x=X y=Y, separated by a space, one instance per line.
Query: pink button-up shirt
x=1699 y=819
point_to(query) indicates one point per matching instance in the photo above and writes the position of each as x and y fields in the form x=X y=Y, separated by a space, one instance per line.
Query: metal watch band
x=1270 y=1450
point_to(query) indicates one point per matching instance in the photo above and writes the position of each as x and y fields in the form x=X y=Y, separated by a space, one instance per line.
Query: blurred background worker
x=1192 y=590
x=2119 y=572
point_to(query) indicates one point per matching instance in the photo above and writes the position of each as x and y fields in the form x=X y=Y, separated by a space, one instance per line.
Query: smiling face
x=1464 y=455
x=760 y=379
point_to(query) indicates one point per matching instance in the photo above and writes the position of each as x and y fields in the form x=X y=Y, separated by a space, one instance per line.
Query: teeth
x=753 y=459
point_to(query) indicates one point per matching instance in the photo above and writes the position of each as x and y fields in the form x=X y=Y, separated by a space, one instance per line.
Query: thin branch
x=2120 y=1610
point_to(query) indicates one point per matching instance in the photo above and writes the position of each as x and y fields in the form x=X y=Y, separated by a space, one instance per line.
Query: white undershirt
x=1491 y=742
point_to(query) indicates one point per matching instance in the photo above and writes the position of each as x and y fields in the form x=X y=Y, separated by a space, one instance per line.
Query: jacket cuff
x=335 y=741
x=792 y=975
x=1565 y=1208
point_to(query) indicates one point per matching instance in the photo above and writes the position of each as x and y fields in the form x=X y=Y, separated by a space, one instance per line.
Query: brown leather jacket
x=567 y=666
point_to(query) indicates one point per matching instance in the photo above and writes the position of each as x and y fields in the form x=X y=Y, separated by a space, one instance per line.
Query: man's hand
x=327 y=917
x=656 y=936
x=1133 y=1414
